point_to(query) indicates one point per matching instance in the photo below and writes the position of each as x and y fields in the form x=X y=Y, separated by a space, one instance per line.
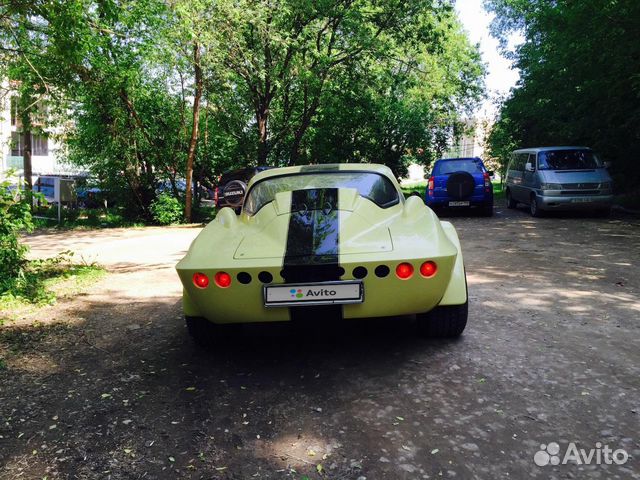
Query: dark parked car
x=233 y=185
x=457 y=183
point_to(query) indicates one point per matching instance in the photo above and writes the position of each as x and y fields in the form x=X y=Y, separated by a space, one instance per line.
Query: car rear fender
x=456 y=292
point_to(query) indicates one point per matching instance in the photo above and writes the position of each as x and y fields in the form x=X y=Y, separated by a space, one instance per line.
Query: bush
x=15 y=217
x=167 y=209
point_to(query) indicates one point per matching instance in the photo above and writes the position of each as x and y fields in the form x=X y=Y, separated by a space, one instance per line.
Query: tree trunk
x=25 y=119
x=305 y=123
x=26 y=162
x=193 y=143
x=262 y=117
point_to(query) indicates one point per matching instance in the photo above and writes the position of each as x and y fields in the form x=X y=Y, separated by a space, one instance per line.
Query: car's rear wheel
x=511 y=203
x=446 y=321
x=487 y=210
x=208 y=334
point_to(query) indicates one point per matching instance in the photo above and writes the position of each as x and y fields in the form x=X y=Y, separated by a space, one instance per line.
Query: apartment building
x=45 y=149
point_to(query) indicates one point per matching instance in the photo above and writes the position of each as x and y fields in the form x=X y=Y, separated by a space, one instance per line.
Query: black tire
x=460 y=185
x=487 y=210
x=534 y=208
x=234 y=192
x=207 y=334
x=511 y=203
x=448 y=321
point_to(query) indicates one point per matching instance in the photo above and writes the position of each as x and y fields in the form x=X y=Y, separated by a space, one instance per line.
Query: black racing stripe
x=312 y=253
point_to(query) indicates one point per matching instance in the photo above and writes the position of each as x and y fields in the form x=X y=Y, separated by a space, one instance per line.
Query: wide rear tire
x=207 y=334
x=447 y=321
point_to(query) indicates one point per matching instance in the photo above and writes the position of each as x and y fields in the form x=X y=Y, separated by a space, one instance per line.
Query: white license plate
x=580 y=200
x=325 y=293
x=459 y=204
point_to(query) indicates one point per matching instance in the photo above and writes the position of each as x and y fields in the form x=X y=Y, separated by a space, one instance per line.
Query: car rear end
x=459 y=183
x=297 y=263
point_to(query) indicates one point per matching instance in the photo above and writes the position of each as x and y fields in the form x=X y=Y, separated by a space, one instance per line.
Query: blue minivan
x=460 y=183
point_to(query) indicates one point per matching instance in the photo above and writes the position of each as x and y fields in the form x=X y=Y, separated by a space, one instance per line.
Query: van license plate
x=459 y=204
x=580 y=200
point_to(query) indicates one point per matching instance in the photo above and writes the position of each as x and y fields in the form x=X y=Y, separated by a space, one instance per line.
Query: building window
x=16 y=144
x=39 y=144
x=14 y=111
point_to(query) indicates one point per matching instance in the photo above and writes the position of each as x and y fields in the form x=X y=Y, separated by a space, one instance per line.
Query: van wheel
x=534 y=208
x=511 y=203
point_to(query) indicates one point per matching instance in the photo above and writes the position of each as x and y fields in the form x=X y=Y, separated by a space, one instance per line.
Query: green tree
x=405 y=107
x=285 y=55
x=580 y=82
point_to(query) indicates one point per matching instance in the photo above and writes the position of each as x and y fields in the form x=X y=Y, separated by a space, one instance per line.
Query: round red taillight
x=428 y=269
x=404 y=271
x=223 y=279
x=200 y=280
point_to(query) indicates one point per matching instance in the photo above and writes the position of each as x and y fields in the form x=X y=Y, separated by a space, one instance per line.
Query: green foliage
x=38 y=283
x=285 y=82
x=113 y=217
x=15 y=217
x=167 y=210
x=579 y=83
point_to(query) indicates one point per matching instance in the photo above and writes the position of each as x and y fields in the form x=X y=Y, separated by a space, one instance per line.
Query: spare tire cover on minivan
x=234 y=192
x=460 y=185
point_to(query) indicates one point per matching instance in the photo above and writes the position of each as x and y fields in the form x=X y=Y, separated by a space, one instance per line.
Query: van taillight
x=487 y=182
x=216 y=195
x=431 y=186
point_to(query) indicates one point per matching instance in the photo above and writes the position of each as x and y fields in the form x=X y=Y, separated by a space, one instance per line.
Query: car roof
x=458 y=158
x=325 y=167
x=546 y=149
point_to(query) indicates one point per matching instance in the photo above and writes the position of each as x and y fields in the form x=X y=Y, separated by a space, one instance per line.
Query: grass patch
x=44 y=281
x=420 y=187
x=83 y=218
x=498 y=192
x=80 y=219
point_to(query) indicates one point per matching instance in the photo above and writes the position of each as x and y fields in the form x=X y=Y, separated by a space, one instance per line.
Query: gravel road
x=110 y=386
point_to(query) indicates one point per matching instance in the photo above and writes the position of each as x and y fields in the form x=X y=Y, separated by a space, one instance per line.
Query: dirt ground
x=110 y=386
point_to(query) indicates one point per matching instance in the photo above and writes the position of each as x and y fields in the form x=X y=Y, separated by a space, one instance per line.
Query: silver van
x=558 y=178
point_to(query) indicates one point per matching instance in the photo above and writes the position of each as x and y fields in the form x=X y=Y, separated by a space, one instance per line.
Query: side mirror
x=528 y=167
x=490 y=172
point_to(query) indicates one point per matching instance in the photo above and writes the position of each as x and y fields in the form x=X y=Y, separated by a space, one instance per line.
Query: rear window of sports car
x=370 y=185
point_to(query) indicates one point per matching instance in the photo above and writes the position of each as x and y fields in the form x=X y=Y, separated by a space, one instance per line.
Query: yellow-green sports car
x=319 y=241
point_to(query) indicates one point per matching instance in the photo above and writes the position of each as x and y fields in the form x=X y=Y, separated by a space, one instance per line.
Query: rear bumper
x=388 y=296
x=444 y=202
x=577 y=202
